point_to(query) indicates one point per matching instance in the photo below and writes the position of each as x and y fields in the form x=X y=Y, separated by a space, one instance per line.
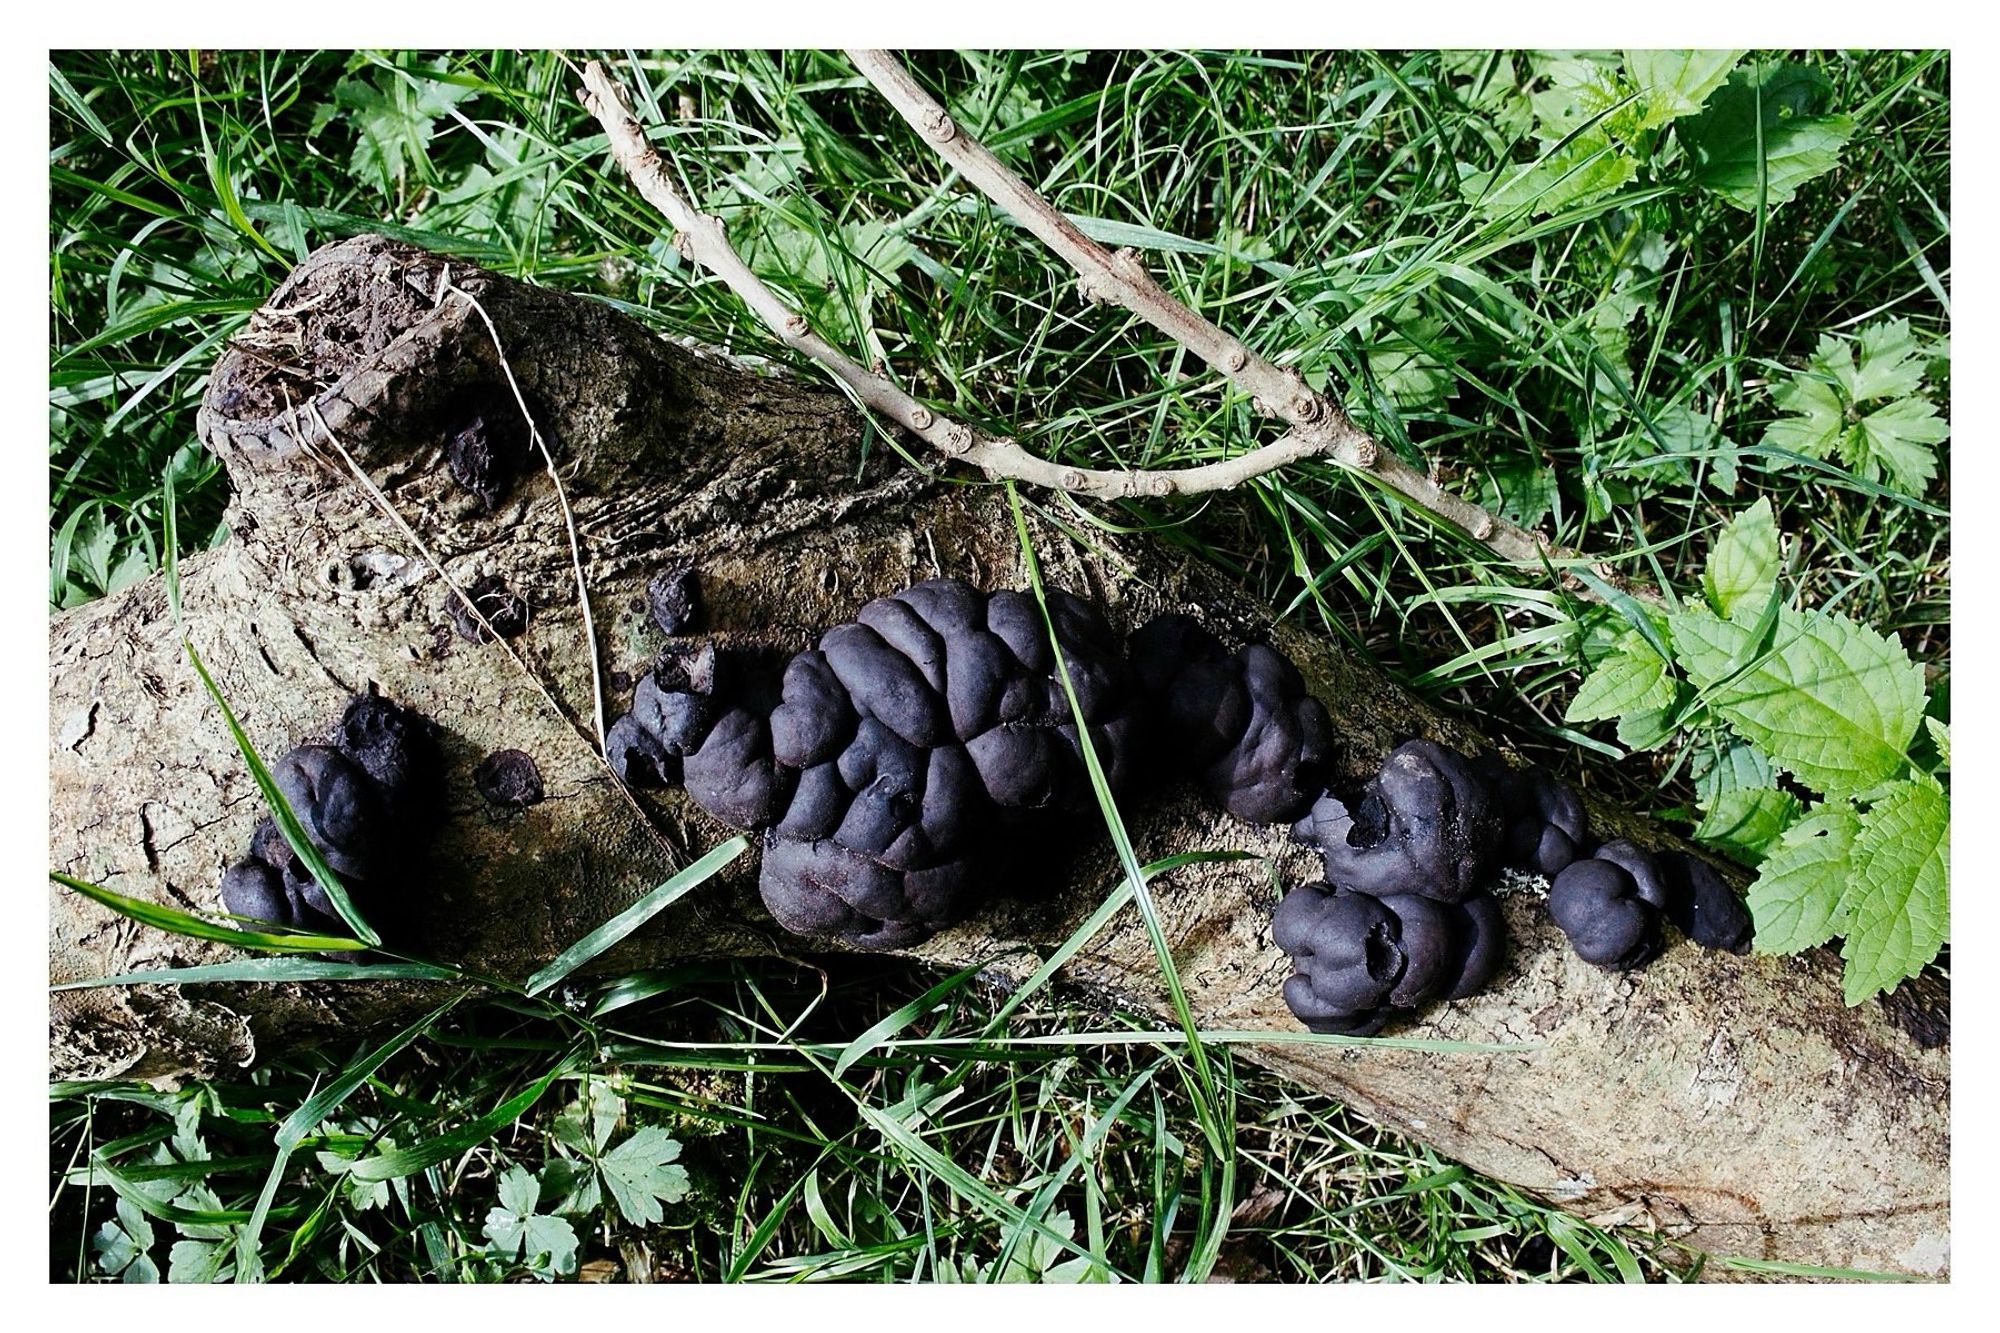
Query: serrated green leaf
x=1898 y=899
x=1891 y=364
x=1795 y=899
x=1941 y=738
x=1746 y=821
x=1646 y=728
x=1632 y=679
x=1522 y=490
x=194 y=1261
x=1897 y=441
x=516 y=1230
x=1588 y=166
x=640 y=1174
x=1673 y=84
x=1731 y=767
x=1755 y=144
x=1831 y=702
x=1743 y=565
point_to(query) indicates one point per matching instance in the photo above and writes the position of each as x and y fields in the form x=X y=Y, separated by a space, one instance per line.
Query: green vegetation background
x=1689 y=311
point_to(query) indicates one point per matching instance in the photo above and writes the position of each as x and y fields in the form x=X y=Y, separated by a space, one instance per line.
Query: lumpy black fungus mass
x=895 y=766
x=487 y=447
x=1426 y=824
x=362 y=801
x=886 y=765
x=673 y=599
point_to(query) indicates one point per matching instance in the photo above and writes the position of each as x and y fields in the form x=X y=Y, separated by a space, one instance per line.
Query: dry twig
x=1318 y=425
x=702 y=240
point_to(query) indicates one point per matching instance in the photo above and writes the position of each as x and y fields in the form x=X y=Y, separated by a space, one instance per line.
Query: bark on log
x=1732 y=1102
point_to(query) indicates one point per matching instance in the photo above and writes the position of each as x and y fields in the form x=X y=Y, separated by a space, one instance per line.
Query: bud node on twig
x=1073 y=480
x=940 y=126
x=921 y=419
x=957 y=439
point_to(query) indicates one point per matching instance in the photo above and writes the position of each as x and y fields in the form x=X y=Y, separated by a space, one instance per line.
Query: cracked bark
x=1734 y=1103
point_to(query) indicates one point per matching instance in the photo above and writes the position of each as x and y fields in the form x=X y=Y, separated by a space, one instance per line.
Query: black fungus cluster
x=891 y=766
x=1405 y=917
x=1241 y=722
x=362 y=800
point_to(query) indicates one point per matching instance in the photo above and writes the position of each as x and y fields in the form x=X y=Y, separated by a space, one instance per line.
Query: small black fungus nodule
x=509 y=778
x=487 y=446
x=1703 y=905
x=1359 y=960
x=673 y=598
x=362 y=802
x=505 y=610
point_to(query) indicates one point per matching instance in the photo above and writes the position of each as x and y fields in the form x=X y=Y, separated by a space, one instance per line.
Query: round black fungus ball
x=1358 y=959
x=504 y=610
x=673 y=598
x=1598 y=905
x=363 y=802
x=1704 y=907
x=1425 y=824
x=336 y=804
x=509 y=778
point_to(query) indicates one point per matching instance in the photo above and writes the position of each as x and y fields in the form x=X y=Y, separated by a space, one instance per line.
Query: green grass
x=1552 y=364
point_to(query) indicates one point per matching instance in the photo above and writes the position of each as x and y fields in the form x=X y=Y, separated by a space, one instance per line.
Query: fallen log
x=1733 y=1103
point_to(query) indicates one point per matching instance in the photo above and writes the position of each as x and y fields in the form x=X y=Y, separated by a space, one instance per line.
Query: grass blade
x=269 y=970
x=637 y=915
x=174 y=921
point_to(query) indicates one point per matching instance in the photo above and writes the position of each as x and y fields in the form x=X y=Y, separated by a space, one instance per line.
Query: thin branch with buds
x=1317 y=424
x=700 y=238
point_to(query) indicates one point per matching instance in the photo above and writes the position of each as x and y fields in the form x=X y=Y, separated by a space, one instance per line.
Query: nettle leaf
x=1672 y=84
x=1730 y=767
x=1795 y=899
x=1796 y=146
x=515 y=1230
x=1745 y=821
x=1633 y=679
x=640 y=1174
x=1831 y=701
x=1588 y=166
x=1405 y=368
x=1941 y=738
x=1646 y=728
x=1898 y=899
x=1743 y=565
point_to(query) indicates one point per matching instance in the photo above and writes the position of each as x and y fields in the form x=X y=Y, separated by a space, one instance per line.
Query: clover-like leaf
x=1865 y=403
x=641 y=1174
x=515 y=1230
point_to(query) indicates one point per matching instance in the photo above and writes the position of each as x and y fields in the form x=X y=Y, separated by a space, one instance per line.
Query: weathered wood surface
x=1735 y=1103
